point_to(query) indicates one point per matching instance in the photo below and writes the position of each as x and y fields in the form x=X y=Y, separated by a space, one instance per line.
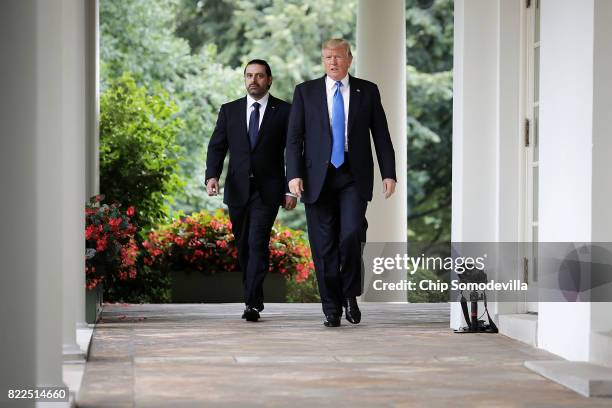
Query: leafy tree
x=203 y=22
x=429 y=41
x=139 y=37
x=286 y=33
x=138 y=154
x=429 y=156
x=429 y=35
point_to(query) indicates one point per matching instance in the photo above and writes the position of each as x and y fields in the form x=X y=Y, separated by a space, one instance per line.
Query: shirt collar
x=262 y=102
x=331 y=84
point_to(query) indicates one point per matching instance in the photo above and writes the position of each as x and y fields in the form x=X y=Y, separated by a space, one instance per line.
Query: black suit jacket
x=265 y=161
x=309 y=138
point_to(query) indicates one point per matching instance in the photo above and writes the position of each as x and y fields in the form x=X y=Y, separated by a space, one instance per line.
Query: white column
x=575 y=154
x=381 y=58
x=18 y=178
x=92 y=103
x=41 y=168
x=48 y=118
x=566 y=149
x=74 y=103
x=602 y=151
x=475 y=194
x=475 y=108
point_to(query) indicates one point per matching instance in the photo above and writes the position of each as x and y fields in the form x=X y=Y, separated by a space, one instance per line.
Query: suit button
x=326 y=162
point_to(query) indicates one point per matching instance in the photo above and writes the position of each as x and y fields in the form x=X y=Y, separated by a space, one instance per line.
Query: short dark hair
x=259 y=62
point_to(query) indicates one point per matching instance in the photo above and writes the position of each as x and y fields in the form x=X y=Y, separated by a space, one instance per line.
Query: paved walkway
x=399 y=356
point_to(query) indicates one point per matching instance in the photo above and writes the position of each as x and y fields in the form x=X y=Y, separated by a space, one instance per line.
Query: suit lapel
x=241 y=118
x=354 y=102
x=322 y=95
x=271 y=109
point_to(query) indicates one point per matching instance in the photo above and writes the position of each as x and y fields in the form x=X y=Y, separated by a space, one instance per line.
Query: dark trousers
x=336 y=228
x=251 y=225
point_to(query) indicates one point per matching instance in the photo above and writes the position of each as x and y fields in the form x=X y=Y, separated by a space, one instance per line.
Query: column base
x=590 y=380
x=73 y=353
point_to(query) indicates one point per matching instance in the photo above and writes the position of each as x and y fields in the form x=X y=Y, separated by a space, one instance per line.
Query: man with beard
x=253 y=129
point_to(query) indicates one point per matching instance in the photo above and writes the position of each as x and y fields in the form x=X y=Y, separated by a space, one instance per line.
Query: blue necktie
x=337 y=155
x=254 y=125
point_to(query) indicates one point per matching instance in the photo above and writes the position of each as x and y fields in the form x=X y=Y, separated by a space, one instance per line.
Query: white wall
x=575 y=141
x=509 y=143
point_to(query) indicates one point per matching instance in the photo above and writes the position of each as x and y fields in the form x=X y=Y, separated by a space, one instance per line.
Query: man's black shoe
x=351 y=310
x=332 y=320
x=250 y=314
x=259 y=308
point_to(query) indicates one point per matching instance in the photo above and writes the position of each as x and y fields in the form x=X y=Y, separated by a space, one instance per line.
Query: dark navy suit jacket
x=265 y=161
x=309 y=138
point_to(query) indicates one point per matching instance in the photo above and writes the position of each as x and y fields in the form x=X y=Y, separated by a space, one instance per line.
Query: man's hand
x=212 y=187
x=290 y=203
x=388 y=187
x=296 y=186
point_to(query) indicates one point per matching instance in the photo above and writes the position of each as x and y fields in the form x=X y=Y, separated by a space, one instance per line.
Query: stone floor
x=399 y=356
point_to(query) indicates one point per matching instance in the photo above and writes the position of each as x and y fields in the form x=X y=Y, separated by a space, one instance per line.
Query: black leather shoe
x=250 y=314
x=351 y=310
x=259 y=308
x=331 y=320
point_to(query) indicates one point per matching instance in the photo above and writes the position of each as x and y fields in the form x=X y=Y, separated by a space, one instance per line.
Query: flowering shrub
x=204 y=241
x=289 y=253
x=111 y=249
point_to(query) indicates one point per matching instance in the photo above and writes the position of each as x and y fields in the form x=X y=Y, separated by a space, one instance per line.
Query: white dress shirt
x=330 y=88
x=263 y=102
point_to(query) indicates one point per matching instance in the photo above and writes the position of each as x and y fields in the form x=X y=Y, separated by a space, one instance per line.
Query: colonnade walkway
x=401 y=355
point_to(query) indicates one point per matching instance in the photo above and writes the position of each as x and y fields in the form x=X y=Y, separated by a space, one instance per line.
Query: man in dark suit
x=330 y=166
x=254 y=130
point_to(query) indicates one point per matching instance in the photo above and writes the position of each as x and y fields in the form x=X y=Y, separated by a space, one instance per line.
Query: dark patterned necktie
x=254 y=125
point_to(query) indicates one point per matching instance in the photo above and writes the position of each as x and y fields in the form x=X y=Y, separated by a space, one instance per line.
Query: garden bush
x=204 y=242
x=138 y=153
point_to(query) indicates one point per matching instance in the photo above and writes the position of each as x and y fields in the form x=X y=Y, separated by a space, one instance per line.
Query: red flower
x=131 y=211
x=115 y=223
x=111 y=234
x=102 y=243
x=89 y=231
